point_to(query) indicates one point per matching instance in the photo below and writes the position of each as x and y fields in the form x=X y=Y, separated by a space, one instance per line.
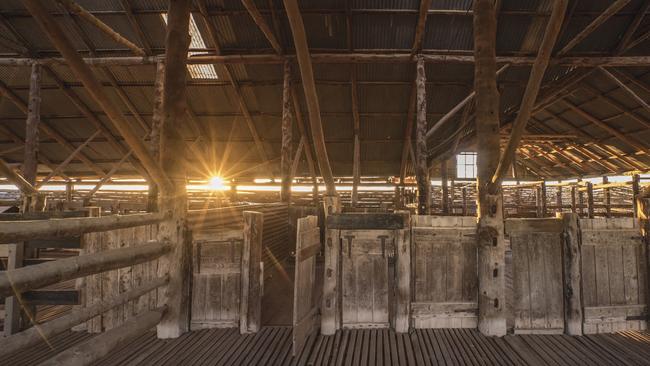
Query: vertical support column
x=643 y=208
x=608 y=198
x=421 y=169
x=403 y=275
x=69 y=189
x=30 y=162
x=154 y=137
x=636 y=191
x=590 y=200
x=517 y=197
x=173 y=197
x=330 y=319
x=573 y=199
x=571 y=257
x=558 y=199
x=465 y=213
x=285 y=153
x=445 y=187
x=250 y=311
x=540 y=196
x=490 y=235
x=356 y=162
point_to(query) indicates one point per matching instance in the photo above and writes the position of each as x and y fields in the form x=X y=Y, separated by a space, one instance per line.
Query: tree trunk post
x=636 y=191
x=445 y=187
x=590 y=200
x=285 y=153
x=490 y=236
x=173 y=199
x=156 y=123
x=571 y=258
x=421 y=169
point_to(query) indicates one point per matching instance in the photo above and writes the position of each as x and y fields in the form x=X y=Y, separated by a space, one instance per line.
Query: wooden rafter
x=133 y=20
x=631 y=29
x=420 y=28
x=261 y=23
x=532 y=89
x=94 y=87
x=309 y=86
x=586 y=31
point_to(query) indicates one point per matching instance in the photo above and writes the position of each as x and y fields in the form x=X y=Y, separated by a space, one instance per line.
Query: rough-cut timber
x=287 y=128
x=173 y=196
x=97 y=347
x=250 y=313
x=571 y=260
x=421 y=168
x=94 y=87
x=490 y=240
x=30 y=162
x=37 y=276
x=34 y=335
x=309 y=86
x=356 y=158
x=532 y=88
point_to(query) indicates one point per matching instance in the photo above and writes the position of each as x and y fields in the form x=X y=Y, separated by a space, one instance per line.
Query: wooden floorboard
x=448 y=347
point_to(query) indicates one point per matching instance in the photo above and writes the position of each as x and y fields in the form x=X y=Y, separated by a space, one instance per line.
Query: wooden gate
x=367 y=265
x=217 y=279
x=305 y=296
x=614 y=275
x=365 y=277
x=538 y=301
x=444 y=271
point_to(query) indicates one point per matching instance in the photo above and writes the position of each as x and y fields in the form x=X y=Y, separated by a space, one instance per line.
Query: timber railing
x=14 y=282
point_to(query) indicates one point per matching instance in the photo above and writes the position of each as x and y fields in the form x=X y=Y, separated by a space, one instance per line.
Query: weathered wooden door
x=444 y=272
x=365 y=277
x=614 y=275
x=305 y=297
x=538 y=296
x=217 y=278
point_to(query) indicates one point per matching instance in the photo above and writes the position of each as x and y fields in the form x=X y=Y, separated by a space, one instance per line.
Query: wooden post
x=573 y=200
x=250 y=310
x=541 y=196
x=421 y=169
x=173 y=196
x=590 y=200
x=571 y=257
x=490 y=235
x=636 y=191
x=30 y=162
x=445 y=187
x=465 y=213
x=558 y=199
x=643 y=208
x=330 y=319
x=356 y=160
x=285 y=153
x=156 y=123
x=608 y=198
x=403 y=276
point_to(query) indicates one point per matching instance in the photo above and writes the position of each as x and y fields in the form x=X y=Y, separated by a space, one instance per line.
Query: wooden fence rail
x=15 y=231
x=40 y=275
x=36 y=334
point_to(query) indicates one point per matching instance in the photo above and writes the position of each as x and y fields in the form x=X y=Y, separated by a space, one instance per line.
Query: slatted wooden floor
x=272 y=346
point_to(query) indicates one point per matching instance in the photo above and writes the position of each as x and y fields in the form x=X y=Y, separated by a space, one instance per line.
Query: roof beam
x=73 y=7
x=130 y=16
x=261 y=23
x=420 y=28
x=631 y=29
x=631 y=141
x=342 y=58
x=626 y=88
x=586 y=31
x=309 y=86
x=532 y=89
x=93 y=86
